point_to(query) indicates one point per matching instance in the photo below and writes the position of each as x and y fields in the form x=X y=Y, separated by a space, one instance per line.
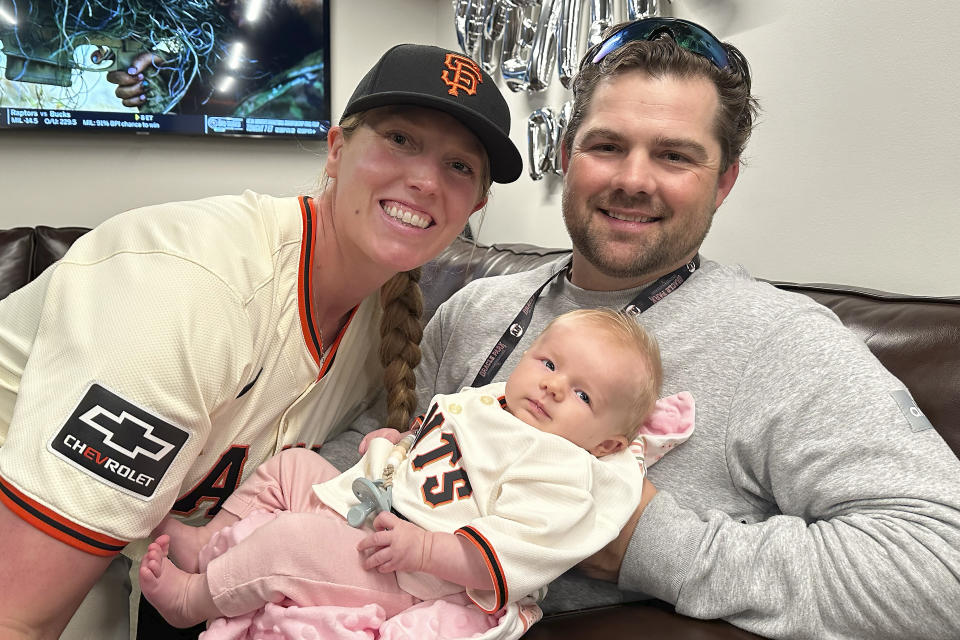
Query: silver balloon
x=468 y=18
x=568 y=49
x=491 y=45
x=460 y=8
x=543 y=56
x=601 y=17
x=541 y=142
x=518 y=33
x=560 y=125
x=637 y=9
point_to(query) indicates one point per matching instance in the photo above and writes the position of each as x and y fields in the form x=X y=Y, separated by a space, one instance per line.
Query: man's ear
x=334 y=150
x=610 y=445
x=727 y=179
x=564 y=157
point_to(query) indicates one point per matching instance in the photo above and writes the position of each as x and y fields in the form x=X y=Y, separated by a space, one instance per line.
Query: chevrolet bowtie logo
x=135 y=431
x=126 y=446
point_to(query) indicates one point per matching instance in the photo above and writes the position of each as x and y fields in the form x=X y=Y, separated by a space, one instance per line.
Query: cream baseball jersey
x=533 y=503
x=170 y=352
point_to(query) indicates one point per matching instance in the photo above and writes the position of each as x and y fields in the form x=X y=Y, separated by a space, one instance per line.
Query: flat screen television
x=200 y=67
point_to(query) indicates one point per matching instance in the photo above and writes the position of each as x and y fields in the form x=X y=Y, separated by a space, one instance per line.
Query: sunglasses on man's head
x=688 y=35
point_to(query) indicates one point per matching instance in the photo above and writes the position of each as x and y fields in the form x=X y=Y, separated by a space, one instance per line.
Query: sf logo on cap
x=461 y=73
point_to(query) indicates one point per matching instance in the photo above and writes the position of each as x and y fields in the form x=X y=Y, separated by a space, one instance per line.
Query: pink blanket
x=434 y=620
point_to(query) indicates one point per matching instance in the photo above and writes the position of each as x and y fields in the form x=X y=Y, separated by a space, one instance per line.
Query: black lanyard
x=648 y=296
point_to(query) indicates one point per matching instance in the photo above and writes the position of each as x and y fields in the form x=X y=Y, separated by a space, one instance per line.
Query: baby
x=505 y=487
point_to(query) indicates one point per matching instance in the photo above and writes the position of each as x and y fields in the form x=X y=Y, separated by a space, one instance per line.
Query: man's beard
x=651 y=256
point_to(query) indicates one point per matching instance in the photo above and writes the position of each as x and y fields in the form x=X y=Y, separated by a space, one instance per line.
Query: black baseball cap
x=428 y=76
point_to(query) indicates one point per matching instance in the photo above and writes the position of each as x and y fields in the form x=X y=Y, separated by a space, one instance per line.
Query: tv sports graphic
x=200 y=67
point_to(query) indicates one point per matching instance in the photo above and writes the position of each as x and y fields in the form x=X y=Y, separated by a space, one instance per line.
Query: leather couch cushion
x=51 y=244
x=916 y=338
x=464 y=261
x=16 y=254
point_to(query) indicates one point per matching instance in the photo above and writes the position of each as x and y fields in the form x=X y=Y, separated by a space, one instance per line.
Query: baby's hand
x=397 y=545
x=392 y=435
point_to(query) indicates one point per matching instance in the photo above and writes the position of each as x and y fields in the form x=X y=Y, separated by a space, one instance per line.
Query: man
x=806 y=504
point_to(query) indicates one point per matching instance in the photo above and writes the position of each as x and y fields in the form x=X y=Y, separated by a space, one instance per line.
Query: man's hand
x=397 y=545
x=605 y=564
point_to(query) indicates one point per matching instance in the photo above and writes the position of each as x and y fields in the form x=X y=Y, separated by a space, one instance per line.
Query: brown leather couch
x=917 y=338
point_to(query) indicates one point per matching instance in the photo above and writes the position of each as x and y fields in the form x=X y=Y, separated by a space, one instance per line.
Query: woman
x=174 y=348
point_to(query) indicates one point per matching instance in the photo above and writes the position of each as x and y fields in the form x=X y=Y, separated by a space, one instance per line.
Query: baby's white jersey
x=171 y=351
x=533 y=503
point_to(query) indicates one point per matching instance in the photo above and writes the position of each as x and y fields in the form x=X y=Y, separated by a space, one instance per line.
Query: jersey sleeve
x=132 y=354
x=556 y=505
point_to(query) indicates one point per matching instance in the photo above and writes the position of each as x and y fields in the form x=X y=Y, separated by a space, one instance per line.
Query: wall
x=850 y=175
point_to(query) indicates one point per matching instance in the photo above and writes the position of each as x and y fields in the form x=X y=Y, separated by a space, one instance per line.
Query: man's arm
x=862 y=534
x=42 y=580
x=605 y=564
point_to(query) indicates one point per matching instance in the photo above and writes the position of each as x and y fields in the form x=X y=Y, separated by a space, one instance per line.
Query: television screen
x=202 y=67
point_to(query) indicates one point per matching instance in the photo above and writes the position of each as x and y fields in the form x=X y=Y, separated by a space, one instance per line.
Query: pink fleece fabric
x=671 y=423
x=454 y=617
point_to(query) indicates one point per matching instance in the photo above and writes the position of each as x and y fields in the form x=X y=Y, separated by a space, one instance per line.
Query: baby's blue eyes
x=584 y=397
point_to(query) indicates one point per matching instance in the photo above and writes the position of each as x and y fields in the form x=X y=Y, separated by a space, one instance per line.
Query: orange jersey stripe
x=56 y=526
x=493 y=566
x=336 y=343
x=311 y=333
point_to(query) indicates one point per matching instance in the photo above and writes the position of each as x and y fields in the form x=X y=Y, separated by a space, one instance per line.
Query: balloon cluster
x=525 y=40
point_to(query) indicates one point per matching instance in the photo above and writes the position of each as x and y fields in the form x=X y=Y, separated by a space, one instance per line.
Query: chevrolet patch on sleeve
x=118 y=443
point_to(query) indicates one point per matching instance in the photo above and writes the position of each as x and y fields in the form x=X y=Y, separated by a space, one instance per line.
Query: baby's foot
x=182 y=598
x=185 y=542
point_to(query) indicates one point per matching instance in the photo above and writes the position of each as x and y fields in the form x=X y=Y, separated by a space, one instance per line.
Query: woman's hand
x=392 y=435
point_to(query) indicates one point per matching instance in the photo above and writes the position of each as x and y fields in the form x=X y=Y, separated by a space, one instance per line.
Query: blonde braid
x=400 y=333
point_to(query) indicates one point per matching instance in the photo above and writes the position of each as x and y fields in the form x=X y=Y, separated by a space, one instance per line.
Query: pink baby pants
x=315 y=540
